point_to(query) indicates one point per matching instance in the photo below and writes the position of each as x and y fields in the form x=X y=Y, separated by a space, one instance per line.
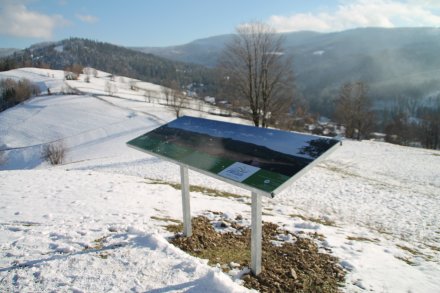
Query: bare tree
x=75 y=68
x=397 y=129
x=148 y=94
x=133 y=85
x=54 y=153
x=88 y=71
x=179 y=100
x=257 y=69
x=175 y=97
x=2 y=158
x=110 y=88
x=13 y=92
x=430 y=126
x=353 y=109
x=167 y=92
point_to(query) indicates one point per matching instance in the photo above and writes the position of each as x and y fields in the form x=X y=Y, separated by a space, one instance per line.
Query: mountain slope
x=97 y=223
x=7 y=51
x=393 y=62
x=110 y=58
x=203 y=51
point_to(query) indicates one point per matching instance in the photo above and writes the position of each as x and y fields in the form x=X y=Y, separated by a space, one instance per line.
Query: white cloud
x=426 y=3
x=363 y=13
x=87 y=18
x=16 y=20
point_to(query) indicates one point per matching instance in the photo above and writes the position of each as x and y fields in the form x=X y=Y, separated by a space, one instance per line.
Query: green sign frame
x=261 y=160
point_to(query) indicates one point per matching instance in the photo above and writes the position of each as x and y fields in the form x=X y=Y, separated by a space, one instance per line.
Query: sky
x=176 y=22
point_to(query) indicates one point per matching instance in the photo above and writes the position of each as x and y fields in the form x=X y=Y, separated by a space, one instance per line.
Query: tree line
x=254 y=76
x=13 y=92
x=256 y=69
x=110 y=58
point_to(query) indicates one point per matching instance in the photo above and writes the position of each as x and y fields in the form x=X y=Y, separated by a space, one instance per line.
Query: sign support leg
x=187 y=229
x=256 y=236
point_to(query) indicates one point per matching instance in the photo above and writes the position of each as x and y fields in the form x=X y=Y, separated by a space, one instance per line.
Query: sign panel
x=259 y=159
x=238 y=171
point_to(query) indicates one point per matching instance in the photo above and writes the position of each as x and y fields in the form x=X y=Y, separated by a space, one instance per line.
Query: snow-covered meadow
x=96 y=222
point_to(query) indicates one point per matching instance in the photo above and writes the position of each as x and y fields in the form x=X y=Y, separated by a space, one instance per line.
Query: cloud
x=87 y=18
x=16 y=20
x=426 y=3
x=363 y=13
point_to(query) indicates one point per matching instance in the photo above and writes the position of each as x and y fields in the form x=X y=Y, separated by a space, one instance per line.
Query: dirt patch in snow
x=291 y=263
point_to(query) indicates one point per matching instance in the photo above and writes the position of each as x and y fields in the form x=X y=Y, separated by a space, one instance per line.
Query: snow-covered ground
x=96 y=223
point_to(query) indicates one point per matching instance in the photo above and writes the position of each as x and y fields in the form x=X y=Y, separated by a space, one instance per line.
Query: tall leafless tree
x=110 y=88
x=148 y=94
x=176 y=99
x=257 y=69
x=430 y=126
x=89 y=72
x=179 y=100
x=353 y=109
x=167 y=92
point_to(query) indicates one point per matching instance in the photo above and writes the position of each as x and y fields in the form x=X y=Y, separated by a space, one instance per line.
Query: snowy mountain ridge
x=96 y=223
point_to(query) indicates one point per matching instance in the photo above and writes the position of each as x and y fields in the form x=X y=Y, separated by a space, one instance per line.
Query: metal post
x=187 y=230
x=256 y=236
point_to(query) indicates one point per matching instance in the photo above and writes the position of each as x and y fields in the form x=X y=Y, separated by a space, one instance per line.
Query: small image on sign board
x=239 y=171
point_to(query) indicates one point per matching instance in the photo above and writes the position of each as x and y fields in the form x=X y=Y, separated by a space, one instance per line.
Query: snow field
x=92 y=232
x=89 y=225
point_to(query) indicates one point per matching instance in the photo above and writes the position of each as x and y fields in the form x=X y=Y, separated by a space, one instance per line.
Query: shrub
x=75 y=68
x=2 y=158
x=13 y=92
x=70 y=75
x=54 y=153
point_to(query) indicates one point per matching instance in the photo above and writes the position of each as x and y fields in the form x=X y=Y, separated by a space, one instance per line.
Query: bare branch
x=54 y=153
x=257 y=70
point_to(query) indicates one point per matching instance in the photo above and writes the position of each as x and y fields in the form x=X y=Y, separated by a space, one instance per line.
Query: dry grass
x=313 y=271
x=406 y=260
x=434 y=248
x=362 y=239
x=173 y=228
x=164 y=219
x=410 y=250
x=196 y=188
x=225 y=255
x=314 y=220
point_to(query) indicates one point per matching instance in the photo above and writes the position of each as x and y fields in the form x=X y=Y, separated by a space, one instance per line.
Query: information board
x=261 y=160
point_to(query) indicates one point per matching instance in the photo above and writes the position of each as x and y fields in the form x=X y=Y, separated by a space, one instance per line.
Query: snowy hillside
x=96 y=223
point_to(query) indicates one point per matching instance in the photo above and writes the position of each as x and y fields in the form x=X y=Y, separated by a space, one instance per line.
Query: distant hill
x=393 y=62
x=7 y=51
x=203 y=51
x=399 y=62
x=110 y=58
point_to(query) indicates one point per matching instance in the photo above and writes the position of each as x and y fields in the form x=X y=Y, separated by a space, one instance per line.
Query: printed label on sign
x=238 y=171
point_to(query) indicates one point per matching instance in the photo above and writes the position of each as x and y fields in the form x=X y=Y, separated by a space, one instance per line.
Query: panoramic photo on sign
x=258 y=158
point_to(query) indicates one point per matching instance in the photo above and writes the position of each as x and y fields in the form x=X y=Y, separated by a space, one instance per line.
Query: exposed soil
x=290 y=266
